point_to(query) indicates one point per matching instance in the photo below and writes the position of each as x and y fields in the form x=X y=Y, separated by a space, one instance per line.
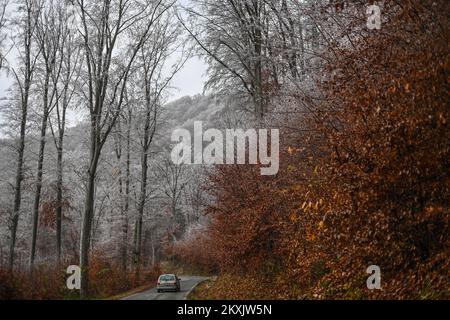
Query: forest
x=359 y=91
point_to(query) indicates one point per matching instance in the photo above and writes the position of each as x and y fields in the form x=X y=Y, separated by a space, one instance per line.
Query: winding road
x=187 y=284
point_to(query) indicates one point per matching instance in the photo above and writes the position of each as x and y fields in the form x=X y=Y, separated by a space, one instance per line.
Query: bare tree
x=65 y=86
x=153 y=57
x=106 y=27
x=254 y=47
x=122 y=144
x=173 y=184
x=194 y=194
x=230 y=33
x=3 y=37
x=51 y=30
x=26 y=23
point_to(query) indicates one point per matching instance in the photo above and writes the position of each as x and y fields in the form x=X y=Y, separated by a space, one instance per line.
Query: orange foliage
x=194 y=253
x=50 y=282
x=367 y=181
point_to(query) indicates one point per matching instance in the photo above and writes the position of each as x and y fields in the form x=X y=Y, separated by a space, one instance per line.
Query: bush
x=366 y=182
x=49 y=283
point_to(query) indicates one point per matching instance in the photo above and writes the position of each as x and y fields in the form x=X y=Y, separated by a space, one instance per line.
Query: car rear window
x=167 y=277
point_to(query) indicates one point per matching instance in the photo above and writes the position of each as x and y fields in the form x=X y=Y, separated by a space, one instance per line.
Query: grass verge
x=131 y=292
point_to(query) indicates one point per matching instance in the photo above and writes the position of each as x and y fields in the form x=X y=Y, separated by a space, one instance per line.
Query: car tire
x=159 y=291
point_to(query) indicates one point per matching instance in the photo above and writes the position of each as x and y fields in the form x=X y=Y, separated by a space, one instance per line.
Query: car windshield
x=167 y=277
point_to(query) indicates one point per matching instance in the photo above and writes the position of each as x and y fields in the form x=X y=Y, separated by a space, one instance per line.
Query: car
x=168 y=282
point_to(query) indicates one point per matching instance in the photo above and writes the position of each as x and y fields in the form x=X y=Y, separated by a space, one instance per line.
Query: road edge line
x=195 y=286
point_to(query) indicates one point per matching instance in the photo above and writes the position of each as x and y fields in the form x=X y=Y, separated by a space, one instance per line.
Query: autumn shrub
x=365 y=181
x=108 y=278
x=192 y=255
x=8 y=288
x=43 y=283
x=49 y=283
x=386 y=141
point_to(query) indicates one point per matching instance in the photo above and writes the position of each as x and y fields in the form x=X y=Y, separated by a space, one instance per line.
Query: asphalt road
x=187 y=283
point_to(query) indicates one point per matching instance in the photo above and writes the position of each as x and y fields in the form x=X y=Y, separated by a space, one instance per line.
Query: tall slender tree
x=106 y=27
x=50 y=29
x=173 y=184
x=65 y=86
x=28 y=12
x=3 y=37
x=153 y=57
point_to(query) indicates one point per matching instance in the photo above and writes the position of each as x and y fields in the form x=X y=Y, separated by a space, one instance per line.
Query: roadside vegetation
x=359 y=91
x=363 y=181
x=49 y=282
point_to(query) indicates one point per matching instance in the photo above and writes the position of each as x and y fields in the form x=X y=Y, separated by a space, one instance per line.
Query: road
x=187 y=283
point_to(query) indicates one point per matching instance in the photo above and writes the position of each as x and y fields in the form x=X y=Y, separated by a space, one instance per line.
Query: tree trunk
x=302 y=51
x=142 y=198
x=86 y=235
x=127 y=198
x=59 y=198
x=144 y=176
x=88 y=214
x=21 y=147
x=18 y=188
x=37 y=194
x=153 y=251
x=259 y=99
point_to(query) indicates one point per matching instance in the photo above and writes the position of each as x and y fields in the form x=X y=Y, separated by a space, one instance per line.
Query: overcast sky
x=190 y=80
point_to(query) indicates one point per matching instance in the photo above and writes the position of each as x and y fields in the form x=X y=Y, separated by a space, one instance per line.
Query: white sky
x=188 y=81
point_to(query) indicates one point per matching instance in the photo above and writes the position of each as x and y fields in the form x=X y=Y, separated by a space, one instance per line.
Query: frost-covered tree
x=113 y=32
x=25 y=22
x=3 y=37
x=54 y=72
x=154 y=76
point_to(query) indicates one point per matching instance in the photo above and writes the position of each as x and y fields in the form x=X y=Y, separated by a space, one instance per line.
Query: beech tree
x=52 y=30
x=27 y=16
x=174 y=183
x=153 y=57
x=3 y=37
x=65 y=86
x=122 y=150
x=363 y=175
x=363 y=179
x=103 y=27
x=231 y=35
x=254 y=48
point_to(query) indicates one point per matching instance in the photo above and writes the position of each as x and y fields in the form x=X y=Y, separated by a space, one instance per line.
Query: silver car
x=168 y=282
